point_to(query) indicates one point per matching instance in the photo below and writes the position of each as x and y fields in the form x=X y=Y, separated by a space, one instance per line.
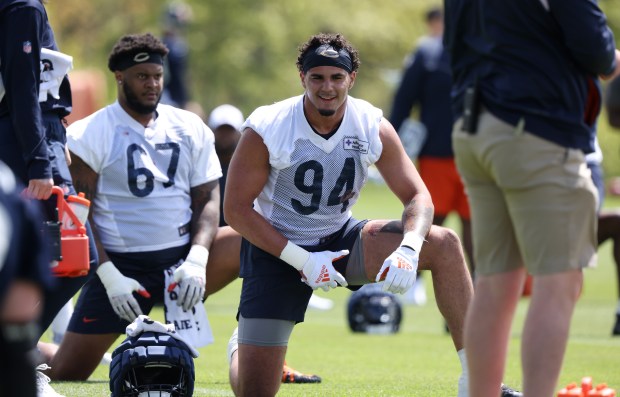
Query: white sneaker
x=233 y=344
x=43 y=383
x=416 y=295
x=319 y=303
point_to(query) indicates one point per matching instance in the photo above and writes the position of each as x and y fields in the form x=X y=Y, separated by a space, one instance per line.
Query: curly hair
x=336 y=40
x=132 y=44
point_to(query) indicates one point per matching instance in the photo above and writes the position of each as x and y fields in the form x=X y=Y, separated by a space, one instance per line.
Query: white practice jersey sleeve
x=314 y=181
x=145 y=174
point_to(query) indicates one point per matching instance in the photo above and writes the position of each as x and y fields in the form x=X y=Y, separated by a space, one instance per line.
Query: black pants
x=19 y=356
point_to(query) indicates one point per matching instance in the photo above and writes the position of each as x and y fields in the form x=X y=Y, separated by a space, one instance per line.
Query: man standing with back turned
x=525 y=102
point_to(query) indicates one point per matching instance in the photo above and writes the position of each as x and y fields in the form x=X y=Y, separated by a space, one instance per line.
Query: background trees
x=243 y=51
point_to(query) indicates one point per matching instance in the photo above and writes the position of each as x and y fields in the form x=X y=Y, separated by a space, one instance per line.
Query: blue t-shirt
x=24 y=31
x=427 y=82
x=532 y=62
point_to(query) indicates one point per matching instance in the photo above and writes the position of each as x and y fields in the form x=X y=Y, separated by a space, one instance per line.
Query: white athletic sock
x=618 y=307
x=464 y=378
x=233 y=345
x=61 y=322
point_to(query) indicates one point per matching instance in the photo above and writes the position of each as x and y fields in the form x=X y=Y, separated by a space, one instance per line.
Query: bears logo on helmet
x=152 y=364
x=374 y=312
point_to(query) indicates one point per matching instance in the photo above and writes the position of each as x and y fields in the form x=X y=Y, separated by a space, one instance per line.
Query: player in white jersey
x=151 y=173
x=157 y=165
x=297 y=171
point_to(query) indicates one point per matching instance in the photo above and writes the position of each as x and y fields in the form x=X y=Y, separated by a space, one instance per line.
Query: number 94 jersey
x=314 y=182
x=143 y=197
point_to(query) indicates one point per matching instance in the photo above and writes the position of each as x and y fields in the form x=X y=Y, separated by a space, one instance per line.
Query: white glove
x=120 y=291
x=192 y=277
x=399 y=270
x=319 y=272
x=316 y=268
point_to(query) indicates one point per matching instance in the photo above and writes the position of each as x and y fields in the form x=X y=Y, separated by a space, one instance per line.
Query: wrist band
x=294 y=255
x=108 y=273
x=198 y=254
x=413 y=240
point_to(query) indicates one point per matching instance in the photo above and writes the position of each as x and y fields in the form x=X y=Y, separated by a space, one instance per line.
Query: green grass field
x=418 y=361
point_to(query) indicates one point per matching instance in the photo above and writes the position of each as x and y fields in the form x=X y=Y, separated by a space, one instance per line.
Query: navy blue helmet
x=152 y=364
x=374 y=311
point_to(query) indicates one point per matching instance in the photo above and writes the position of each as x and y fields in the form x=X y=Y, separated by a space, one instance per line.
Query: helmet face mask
x=152 y=365
x=374 y=312
x=155 y=380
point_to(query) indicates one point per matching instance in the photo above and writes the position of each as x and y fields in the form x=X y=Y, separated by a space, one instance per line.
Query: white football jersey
x=145 y=174
x=314 y=181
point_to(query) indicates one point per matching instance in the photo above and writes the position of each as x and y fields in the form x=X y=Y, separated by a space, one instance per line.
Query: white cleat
x=43 y=383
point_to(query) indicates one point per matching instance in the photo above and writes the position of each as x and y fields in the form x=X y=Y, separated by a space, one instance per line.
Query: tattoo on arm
x=418 y=217
x=205 y=212
x=84 y=178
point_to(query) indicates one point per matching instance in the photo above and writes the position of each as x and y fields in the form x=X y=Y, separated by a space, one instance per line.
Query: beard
x=134 y=103
x=326 y=112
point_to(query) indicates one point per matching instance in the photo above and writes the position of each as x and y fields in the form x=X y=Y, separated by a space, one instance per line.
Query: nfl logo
x=27 y=47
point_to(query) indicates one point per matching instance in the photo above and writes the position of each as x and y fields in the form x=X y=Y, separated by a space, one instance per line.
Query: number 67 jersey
x=314 y=182
x=142 y=202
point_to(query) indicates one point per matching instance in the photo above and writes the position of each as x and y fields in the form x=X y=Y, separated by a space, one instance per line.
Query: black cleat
x=508 y=392
x=289 y=375
x=616 y=330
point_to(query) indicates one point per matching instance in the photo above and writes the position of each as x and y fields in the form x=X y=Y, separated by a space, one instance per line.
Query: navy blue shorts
x=66 y=287
x=273 y=289
x=93 y=312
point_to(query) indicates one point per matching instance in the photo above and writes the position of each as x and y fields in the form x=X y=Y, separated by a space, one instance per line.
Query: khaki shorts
x=532 y=201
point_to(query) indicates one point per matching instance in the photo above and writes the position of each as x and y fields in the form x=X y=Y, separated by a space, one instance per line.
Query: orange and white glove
x=120 y=291
x=316 y=268
x=191 y=276
x=399 y=270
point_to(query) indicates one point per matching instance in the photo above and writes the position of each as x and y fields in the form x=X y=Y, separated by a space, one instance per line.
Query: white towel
x=192 y=324
x=54 y=66
x=145 y=324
